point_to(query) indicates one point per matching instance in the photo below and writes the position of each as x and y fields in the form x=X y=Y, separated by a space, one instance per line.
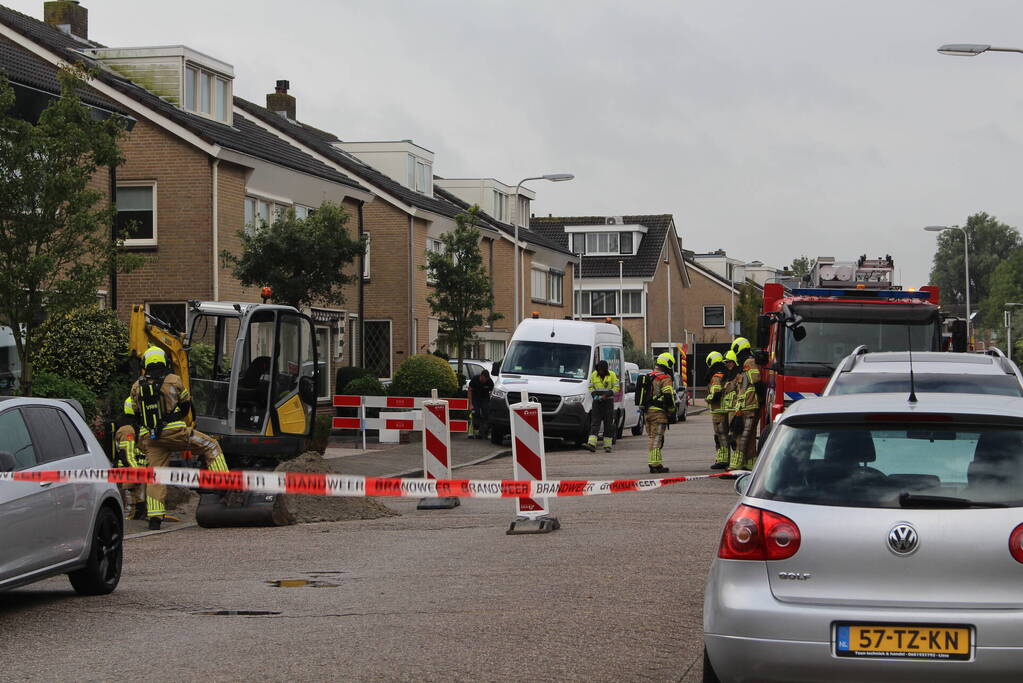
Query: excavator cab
x=253 y=373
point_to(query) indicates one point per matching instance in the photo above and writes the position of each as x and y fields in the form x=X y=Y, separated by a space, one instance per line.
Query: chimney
x=68 y=16
x=280 y=102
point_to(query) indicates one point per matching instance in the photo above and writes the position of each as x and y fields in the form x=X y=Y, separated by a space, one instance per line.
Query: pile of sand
x=304 y=509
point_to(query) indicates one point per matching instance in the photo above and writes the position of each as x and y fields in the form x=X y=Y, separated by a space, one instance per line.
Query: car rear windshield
x=871 y=383
x=893 y=465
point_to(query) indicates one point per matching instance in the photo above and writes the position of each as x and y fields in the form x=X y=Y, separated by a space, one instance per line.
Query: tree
x=801 y=265
x=747 y=308
x=55 y=245
x=462 y=296
x=1006 y=285
x=991 y=242
x=302 y=260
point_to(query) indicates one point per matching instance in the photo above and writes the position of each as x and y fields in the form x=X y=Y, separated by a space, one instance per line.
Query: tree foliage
x=421 y=373
x=801 y=265
x=462 y=296
x=55 y=245
x=303 y=260
x=1006 y=286
x=87 y=345
x=991 y=242
x=747 y=307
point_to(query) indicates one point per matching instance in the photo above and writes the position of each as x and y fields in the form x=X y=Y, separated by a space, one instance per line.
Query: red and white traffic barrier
x=530 y=464
x=348 y=486
x=436 y=451
x=402 y=402
x=362 y=423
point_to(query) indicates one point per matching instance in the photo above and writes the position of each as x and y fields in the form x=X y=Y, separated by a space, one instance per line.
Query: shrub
x=423 y=372
x=367 y=385
x=345 y=376
x=86 y=345
x=645 y=361
x=320 y=435
x=48 y=385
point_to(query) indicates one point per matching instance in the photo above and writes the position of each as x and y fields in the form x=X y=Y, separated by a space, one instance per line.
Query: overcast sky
x=769 y=129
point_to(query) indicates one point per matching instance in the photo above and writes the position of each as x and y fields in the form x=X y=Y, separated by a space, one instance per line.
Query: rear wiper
x=908 y=500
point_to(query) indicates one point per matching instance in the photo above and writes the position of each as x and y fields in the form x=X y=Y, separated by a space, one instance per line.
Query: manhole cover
x=236 y=613
x=301 y=583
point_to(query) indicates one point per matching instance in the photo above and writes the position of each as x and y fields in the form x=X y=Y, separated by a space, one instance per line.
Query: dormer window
x=207 y=94
x=603 y=243
x=501 y=206
x=420 y=175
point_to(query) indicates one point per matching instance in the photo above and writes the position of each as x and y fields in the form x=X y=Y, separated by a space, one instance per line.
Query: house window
x=602 y=243
x=582 y=303
x=258 y=212
x=556 y=288
x=207 y=94
x=579 y=243
x=136 y=214
x=625 y=243
x=171 y=313
x=603 y=303
x=523 y=212
x=632 y=303
x=500 y=206
x=437 y=247
x=302 y=212
x=540 y=285
x=323 y=355
x=713 y=316
x=365 y=258
x=378 y=347
x=423 y=177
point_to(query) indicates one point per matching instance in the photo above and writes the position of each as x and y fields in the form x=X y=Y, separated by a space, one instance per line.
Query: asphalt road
x=616 y=594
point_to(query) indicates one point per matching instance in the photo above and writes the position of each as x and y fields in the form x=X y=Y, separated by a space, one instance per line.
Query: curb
x=143 y=534
x=504 y=452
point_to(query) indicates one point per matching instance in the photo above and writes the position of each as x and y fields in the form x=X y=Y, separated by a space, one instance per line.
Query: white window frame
x=705 y=308
x=556 y=288
x=539 y=277
x=220 y=108
x=614 y=301
x=274 y=209
x=628 y=294
x=435 y=245
x=596 y=242
x=154 y=240
x=632 y=238
x=365 y=259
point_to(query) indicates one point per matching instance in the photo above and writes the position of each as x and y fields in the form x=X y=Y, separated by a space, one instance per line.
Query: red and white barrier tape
x=342 y=485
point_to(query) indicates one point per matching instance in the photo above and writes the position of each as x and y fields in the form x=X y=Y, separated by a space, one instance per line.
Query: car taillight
x=1016 y=543
x=755 y=534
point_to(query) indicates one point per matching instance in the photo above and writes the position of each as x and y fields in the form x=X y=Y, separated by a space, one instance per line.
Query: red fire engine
x=806 y=332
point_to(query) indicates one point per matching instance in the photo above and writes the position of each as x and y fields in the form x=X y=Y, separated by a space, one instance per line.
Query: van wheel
x=102 y=572
x=637 y=429
x=497 y=436
x=709 y=675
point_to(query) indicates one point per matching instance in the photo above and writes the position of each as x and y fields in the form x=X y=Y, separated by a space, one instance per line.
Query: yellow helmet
x=129 y=408
x=713 y=358
x=740 y=344
x=667 y=360
x=730 y=355
x=154 y=354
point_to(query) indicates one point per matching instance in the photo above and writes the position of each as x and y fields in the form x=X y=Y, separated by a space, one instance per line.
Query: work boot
x=591 y=444
x=139 y=511
x=154 y=523
x=658 y=469
x=718 y=465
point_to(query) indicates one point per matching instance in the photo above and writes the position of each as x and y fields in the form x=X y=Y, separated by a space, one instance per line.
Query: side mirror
x=307 y=390
x=7 y=462
x=495 y=368
x=763 y=330
x=799 y=333
x=743 y=482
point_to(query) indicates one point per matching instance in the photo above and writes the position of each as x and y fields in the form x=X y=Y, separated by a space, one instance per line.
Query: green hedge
x=48 y=385
x=367 y=385
x=87 y=345
x=421 y=373
x=346 y=375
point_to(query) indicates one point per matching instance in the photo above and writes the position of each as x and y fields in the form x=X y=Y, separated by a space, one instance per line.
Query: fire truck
x=805 y=332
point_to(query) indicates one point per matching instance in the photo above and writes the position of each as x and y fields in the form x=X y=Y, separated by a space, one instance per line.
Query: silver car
x=55 y=528
x=862 y=372
x=878 y=539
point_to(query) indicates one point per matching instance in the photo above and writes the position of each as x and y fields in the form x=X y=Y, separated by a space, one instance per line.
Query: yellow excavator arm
x=143 y=333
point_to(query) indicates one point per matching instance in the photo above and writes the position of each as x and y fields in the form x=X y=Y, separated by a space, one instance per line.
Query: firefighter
x=603 y=387
x=128 y=444
x=161 y=403
x=747 y=406
x=662 y=403
x=727 y=406
x=719 y=416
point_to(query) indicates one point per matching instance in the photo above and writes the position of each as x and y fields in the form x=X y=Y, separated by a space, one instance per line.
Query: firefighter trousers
x=656 y=423
x=720 y=423
x=744 y=427
x=159 y=451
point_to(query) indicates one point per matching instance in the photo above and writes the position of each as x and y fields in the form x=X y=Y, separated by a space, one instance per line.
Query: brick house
x=196 y=172
x=631 y=270
x=410 y=213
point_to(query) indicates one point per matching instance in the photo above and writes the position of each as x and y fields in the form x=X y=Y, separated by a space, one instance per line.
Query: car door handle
x=46 y=483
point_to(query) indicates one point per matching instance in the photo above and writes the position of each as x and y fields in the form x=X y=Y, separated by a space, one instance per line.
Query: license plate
x=903 y=641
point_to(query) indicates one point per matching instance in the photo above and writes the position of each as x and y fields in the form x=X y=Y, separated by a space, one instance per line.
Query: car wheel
x=496 y=436
x=102 y=572
x=621 y=427
x=637 y=429
x=709 y=676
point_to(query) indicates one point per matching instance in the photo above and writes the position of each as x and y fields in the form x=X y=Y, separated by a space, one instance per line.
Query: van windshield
x=547 y=359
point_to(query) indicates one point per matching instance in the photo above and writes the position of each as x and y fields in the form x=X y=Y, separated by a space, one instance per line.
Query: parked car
x=864 y=372
x=877 y=539
x=470 y=368
x=632 y=417
x=55 y=528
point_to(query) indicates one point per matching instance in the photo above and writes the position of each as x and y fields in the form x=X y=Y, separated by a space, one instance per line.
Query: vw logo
x=902 y=539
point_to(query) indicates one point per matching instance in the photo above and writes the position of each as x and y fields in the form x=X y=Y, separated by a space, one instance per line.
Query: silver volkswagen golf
x=55 y=528
x=879 y=539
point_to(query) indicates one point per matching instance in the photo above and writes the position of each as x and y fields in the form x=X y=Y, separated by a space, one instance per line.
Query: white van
x=552 y=360
x=632 y=418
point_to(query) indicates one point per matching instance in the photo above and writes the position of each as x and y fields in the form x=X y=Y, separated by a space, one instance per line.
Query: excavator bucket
x=240 y=508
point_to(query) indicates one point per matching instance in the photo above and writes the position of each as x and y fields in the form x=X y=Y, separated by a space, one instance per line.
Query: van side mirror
x=960 y=343
x=495 y=368
x=7 y=462
x=763 y=330
x=799 y=333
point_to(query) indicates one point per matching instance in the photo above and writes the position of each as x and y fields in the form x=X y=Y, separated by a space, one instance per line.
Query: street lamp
x=966 y=258
x=554 y=178
x=972 y=50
